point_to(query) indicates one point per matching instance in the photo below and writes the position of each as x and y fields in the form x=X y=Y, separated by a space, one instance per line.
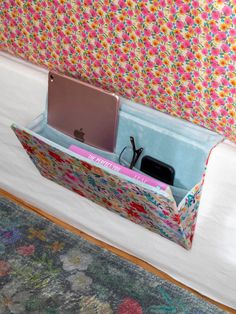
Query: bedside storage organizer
x=170 y=212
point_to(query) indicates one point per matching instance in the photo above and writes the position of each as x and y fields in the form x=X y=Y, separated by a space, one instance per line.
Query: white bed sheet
x=209 y=267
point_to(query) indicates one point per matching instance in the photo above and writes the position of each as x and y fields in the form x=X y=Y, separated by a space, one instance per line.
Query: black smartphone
x=158 y=169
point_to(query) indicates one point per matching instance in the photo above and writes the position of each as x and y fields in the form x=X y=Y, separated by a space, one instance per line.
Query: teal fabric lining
x=176 y=142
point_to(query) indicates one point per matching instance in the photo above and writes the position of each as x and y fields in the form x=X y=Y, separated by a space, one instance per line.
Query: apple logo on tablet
x=79 y=135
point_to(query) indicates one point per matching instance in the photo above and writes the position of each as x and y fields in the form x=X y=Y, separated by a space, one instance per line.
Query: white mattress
x=209 y=267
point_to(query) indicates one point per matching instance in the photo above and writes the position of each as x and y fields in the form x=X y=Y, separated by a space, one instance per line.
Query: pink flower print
x=174 y=46
x=160 y=14
x=129 y=22
x=180 y=38
x=214 y=96
x=179 y=24
x=196 y=74
x=113 y=7
x=181 y=58
x=231 y=121
x=183 y=89
x=145 y=10
x=36 y=17
x=187 y=76
x=26 y=250
x=164 y=38
x=65 y=52
x=69 y=6
x=190 y=55
x=214 y=64
x=214 y=29
x=181 y=70
x=158 y=61
x=67 y=20
x=147 y=32
x=60 y=23
x=125 y=37
x=6 y=5
x=61 y=9
x=140 y=19
x=224 y=81
x=191 y=87
x=185 y=8
x=204 y=15
x=188 y=104
x=186 y=44
x=225 y=48
x=122 y=70
x=121 y=3
x=92 y=12
x=105 y=8
x=162 y=3
x=220 y=101
x=173 y=88
x=205 y=51
x=178 y=2
x=214 y=114
x=223 y=112
x=20 y=11
x=215 y=84
x=43 y=46
x=232 y=32
x=215 y=51
x=195 y=4
x=220 y=35
x=198 y=30
x=215 y=15
x=220 y=70
x=133 y=45
x=153 y=92
x=173 y=10
x=120 y=26
x=161 y=90
x=31 y=9
x=227 y=10
x=162 y=48
x=231 y=67
x=233 y=57
x=128 y=67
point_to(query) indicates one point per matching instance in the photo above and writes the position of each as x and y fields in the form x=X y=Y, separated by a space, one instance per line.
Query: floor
x=114 y=250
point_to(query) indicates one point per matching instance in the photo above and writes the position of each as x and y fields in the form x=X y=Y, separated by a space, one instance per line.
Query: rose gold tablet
x=86 y=113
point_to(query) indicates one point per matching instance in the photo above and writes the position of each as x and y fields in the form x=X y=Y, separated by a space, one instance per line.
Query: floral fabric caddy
x=156 y=211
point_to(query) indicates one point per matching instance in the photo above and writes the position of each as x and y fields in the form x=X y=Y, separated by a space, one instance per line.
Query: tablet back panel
x=82 y=111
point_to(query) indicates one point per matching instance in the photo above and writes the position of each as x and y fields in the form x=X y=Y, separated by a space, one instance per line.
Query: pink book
x=118 y=168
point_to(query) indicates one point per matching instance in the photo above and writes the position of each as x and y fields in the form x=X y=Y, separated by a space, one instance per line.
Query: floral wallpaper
x=175 y=56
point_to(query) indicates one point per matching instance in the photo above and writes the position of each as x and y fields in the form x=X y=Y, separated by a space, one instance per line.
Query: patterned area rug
x=46 y=269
